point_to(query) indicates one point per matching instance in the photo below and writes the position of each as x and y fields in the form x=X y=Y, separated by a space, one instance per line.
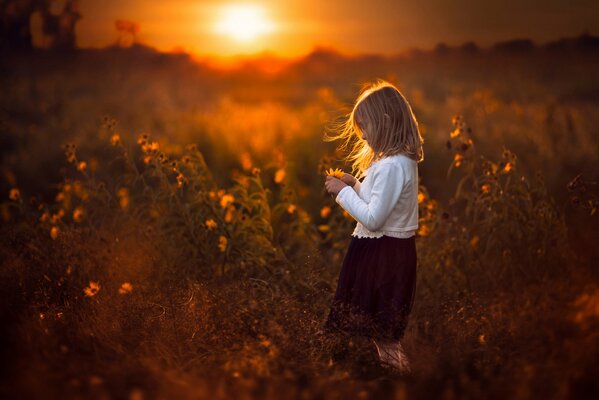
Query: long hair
x=394 y=128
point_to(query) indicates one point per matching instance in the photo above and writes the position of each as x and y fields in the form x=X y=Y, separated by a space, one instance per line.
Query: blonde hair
x=394 y=127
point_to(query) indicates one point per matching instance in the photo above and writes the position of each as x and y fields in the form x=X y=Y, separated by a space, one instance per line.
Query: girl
x=377 y=282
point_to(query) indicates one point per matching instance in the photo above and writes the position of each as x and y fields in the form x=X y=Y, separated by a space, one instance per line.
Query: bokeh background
x=165 y=228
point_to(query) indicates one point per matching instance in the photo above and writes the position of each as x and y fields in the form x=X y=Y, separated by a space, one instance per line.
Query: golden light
x=243 y=22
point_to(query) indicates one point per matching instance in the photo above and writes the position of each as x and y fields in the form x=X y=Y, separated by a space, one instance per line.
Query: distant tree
x=469 y=47
x=127 y=31
x=441 y=48
x=58 y=22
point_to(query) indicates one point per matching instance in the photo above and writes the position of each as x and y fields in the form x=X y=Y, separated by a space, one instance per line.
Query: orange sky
x=373 y=26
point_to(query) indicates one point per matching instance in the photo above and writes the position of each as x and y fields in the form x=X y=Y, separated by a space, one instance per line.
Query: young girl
x=377 y=282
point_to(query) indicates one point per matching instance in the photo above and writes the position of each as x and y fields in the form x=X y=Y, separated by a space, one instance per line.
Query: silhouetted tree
x=127 y=31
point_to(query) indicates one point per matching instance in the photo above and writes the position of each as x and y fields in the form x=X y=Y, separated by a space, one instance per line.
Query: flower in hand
x=338 y=173
x=334 y=185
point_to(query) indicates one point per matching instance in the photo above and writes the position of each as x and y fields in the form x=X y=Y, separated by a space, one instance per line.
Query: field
x=166 y=232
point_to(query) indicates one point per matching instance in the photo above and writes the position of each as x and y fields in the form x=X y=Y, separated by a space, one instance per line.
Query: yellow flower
x=14 y=194
x=115 y=139
x=147 y=159
x=222 y=243
x=279 y=175
x=125 y=288
x=325 y=211
x=92 y=289
x=337 y=172
x=82 y=166
x=508 y=167
x=54 y=232
x=291 y=208
x=78 y=214
x=421 y=197
x=226 y=199
x=455 y=133
x=486 y=188
x=210 y=224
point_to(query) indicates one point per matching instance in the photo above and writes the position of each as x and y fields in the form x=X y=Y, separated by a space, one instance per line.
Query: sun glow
x=243 y=22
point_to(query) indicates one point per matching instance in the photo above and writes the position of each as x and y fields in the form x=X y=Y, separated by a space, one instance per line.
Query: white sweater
x=386 y=202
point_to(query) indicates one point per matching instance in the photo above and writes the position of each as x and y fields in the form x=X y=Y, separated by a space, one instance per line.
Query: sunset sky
x=294 y=27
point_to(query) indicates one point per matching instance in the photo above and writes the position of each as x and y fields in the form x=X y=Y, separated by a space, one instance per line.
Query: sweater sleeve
x=357 y=186
x=387 y=183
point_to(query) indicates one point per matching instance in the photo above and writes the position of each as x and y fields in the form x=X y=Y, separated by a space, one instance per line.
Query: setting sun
x=243 y=22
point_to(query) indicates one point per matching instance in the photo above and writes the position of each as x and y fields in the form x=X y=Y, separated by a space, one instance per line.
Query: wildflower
x=115 y=139
x=324 y=228
x=212 y=194
x=92 y=289
x=229 y=214
x=59 y=196
x=508 y=167
x=279 y=175
x=78 y=214
x=226 y=199
x=125 y=288
x=54 y=232
x=424 y=230
x=147 y=159
x=486 y=188
x=56 y=217
x=337 y=172
x=123 y=194
x=246 y=161
x=222 y=243
x=455 y=133
x=82 y=166
x=481 y=339
x=291 y=208
x=71 y=157
x=325 y=211
x=180 y=180
x=210 y=224
x=431 y=205
x=45 y=216
x=142 y=139
x=256 y=171
x=458 y=158
x=421 y=197
x=14 y=194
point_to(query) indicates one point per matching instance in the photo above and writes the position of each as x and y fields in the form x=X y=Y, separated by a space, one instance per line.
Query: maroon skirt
x=376 y=288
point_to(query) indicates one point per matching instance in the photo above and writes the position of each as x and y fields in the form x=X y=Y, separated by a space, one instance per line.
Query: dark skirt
x=376 y=288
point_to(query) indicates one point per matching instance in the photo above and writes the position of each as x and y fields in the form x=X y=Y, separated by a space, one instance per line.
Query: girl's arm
x=387 y=184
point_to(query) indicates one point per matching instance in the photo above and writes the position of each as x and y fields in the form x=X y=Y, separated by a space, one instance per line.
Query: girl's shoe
x=391 y=354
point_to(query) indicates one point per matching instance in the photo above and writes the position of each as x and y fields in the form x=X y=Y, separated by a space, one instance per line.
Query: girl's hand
x=348 y=179
x=334 y=185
